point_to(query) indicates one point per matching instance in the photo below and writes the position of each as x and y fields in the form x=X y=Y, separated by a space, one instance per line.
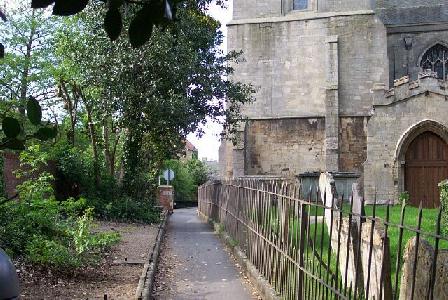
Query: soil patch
x=116 y=276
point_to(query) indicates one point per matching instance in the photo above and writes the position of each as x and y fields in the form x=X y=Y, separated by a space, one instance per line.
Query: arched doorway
x=426 y=164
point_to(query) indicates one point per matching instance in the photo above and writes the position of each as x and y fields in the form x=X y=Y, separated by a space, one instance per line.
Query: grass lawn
x=429 y=219
x=319 y=234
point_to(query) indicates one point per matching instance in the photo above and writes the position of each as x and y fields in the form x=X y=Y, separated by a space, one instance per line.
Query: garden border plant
x=46 y=232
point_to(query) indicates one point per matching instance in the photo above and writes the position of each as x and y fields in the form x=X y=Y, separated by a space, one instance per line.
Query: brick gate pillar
x=165 y=197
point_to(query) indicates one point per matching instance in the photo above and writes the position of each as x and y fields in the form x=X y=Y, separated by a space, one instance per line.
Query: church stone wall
x=317 y=74
x=409 y=105
x=226 y=159
x=407 y=61
x=399 y=12
x=286 y=62
x=285 y=146
x=243 y=9
x=352 y=144
x=362 y=61
x=246 y=9
x=347 y=5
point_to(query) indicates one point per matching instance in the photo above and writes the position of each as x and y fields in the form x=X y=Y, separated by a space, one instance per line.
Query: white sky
x=208 y=145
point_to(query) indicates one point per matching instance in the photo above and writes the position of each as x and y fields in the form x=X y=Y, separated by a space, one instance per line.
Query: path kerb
x=263 y=287
x=146 y=281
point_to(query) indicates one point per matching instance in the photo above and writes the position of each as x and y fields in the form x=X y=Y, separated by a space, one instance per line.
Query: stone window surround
x=288 y=7
x=404 y=143
x=433 y=44
x=305 y=3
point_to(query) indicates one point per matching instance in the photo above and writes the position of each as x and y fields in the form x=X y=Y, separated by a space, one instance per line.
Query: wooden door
x=426 y=165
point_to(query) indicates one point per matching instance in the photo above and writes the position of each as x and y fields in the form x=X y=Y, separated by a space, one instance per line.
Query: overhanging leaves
x=115 y=3
x=33 y=111
x=140 y=29
x=12 y=144
x=69 y=7
x=46 y=133
x=113 y=23
x=41 y=3
x=11 y=127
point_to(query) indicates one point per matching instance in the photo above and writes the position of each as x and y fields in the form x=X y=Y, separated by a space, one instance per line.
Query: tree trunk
x=93 y=139
x=71 y=107
x=109 y=153
x=26 y=69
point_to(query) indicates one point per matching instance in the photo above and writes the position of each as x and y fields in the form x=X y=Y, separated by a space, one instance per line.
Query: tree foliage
x=158 y=93
x=25 y=70
x=149 y=14
x=125 y=110
x=189 y=174
x=44 y=231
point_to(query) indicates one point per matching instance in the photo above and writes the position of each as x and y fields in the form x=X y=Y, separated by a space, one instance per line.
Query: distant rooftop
x=189 y=146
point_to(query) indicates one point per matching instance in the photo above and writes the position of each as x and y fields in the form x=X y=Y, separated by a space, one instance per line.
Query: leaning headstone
x=327 y=190
x=425 y=257
x=358 y=204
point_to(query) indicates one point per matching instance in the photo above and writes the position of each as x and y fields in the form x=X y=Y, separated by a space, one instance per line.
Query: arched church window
x=300 y=4
x=436 y=59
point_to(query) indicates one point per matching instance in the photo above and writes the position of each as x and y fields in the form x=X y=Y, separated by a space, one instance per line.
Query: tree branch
x=9 y=199
x=9 y=88
x=135 y=2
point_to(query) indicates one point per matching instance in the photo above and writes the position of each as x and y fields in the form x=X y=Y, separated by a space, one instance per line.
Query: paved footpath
x=194 y=265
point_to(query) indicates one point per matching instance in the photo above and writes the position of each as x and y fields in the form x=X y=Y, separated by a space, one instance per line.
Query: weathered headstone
x=425 y=257
x=358 y=204
x=327 y=190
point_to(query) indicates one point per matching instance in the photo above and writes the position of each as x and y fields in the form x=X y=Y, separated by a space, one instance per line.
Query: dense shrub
x=75 y=172
x=125 y=209
x=75 y=169
x=43 y=230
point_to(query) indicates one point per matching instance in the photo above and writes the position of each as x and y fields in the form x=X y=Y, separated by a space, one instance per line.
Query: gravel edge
x=146 y=281
x=264 y=288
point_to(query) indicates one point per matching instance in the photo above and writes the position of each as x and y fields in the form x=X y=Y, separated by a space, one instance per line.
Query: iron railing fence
x=308 y=250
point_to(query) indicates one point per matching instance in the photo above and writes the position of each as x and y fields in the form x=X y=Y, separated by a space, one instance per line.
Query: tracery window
x=300 y=4
x=436 y=59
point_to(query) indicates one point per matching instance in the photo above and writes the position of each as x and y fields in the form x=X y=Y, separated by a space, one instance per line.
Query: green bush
x=43 y=230
x=51 y=253
x=403 y=198
x=126 y=209
x=75 y=166
x=444 y=205
x=108 y=200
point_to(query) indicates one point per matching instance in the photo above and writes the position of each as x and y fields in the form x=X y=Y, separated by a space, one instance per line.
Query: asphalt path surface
x=195 y=265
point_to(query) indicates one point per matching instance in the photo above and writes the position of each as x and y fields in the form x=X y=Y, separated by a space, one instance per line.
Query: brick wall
x=10 y=165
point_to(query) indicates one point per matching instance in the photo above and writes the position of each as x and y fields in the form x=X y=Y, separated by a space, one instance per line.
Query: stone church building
x=345 y=86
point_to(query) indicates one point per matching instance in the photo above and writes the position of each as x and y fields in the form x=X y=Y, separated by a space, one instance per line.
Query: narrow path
x=194 y=265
